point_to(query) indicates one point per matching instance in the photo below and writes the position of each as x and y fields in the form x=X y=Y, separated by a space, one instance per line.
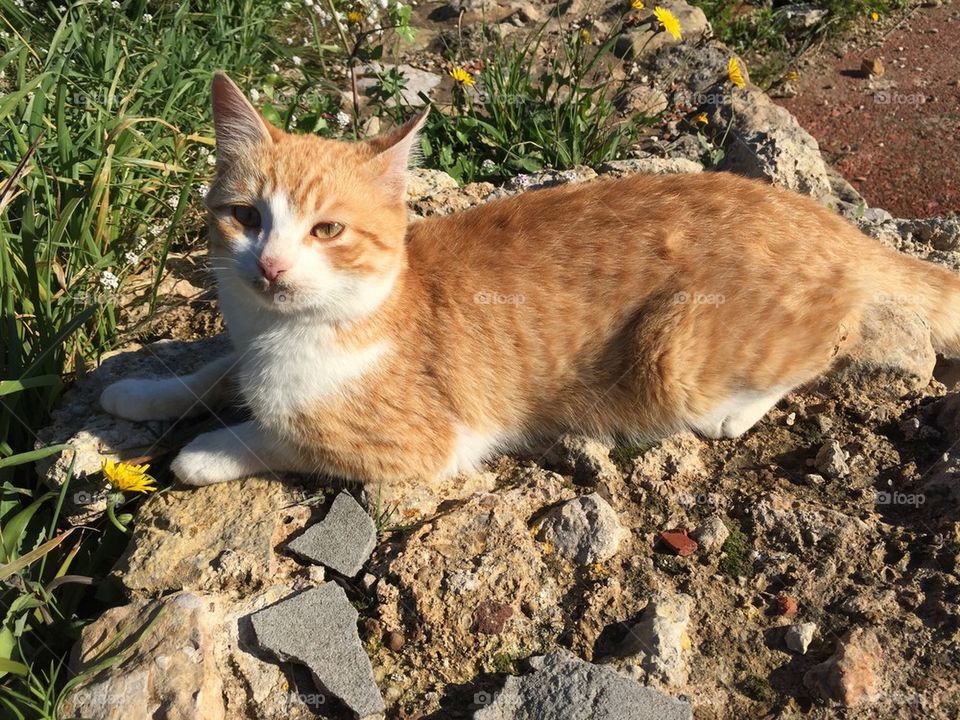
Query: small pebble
x=786 y=606
x=394 y=641
x=678 y=541
x=799 y=637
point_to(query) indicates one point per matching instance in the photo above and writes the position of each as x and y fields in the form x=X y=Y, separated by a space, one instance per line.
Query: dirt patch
x=893 y=136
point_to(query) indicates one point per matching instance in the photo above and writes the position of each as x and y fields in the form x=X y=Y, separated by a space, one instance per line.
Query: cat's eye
x=326 y=230
x=246 y=215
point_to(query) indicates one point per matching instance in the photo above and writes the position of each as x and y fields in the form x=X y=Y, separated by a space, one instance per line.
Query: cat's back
x=639 y=216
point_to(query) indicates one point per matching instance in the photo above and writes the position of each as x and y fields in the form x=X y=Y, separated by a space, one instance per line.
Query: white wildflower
x=289 y=41
x=287 y=6
x=109 y=280
x=211 y=159
x=131 y=257
x=296 y=60
x=203 y=189
x=141 y=243
x=342 y=119
x=383 y=4
x=62 y=10
x=115 y=4
x=254 y=94
x=274 y=67
x=147 y=17
x=204 y=151
x=308 y=3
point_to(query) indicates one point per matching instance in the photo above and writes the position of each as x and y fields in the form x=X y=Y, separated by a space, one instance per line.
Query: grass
x=106 y=139
x=765 y=38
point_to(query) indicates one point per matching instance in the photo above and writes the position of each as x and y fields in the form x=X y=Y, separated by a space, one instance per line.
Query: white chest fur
x=291 y=363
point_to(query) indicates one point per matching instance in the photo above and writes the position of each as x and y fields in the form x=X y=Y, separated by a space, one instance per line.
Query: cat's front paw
x=198 y=467
x=141 y=400
x=130 y=399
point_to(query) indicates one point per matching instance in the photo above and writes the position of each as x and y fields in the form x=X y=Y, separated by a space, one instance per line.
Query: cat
x=375 y=349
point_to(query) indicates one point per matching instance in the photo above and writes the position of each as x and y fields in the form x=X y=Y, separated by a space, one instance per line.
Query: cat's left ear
x=395 y=151
x=237 y=124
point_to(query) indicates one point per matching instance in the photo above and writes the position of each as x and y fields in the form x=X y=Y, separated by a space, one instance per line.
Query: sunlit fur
x=638 y=306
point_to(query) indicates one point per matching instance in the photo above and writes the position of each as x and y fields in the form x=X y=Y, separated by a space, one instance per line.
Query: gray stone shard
x=342 y=541
x=564 y=687
x=318 y=628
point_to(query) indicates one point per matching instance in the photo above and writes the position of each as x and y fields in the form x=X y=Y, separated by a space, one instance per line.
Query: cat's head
x=303 y=224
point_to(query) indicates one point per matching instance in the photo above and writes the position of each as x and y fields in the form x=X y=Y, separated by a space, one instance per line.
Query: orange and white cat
x=374 y=349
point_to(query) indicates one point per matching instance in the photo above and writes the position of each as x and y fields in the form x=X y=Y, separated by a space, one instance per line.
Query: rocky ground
x=810 y=568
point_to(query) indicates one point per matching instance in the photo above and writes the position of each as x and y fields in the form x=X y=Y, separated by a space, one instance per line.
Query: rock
x=478 y=555
x=586 y=459
x=678 y=542
x=318 y=628
x=872 y=67
x=786 y=606
x=765 y=141
x=394 y=641
x=799 y=637
x=342 y=541
x=894 y=344
x=850 y=675
x=658 y=642
x=417 y=81
x=711 y=535
x=642 y=100
x=218 y=537
x=584 y=530
x=563 y=687
x=831 y=460
x=186 y=657
x=490 y=617
x=638 y=42
x=549 y=178
x=424 y=183
x=94 y=435
x=787 y=524
x=649 y=166
x=168 y=672
x=800 y=16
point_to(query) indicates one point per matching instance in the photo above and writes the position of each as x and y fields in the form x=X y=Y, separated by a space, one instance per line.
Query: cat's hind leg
x=737 y=414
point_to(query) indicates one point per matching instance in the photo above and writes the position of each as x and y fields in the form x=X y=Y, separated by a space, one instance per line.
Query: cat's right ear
x=237 y=123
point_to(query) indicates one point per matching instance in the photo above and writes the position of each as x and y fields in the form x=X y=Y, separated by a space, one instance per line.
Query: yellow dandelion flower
x=792 y=76
x=355 y=17
x=875 y=16
x=585 y=36
x=735 y=73
x=128 y=478
x=669 y=22
x=637 y=4
x=701 y=119
x=461 y=76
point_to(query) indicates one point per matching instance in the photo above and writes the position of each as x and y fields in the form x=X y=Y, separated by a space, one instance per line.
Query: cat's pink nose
x=272 y=267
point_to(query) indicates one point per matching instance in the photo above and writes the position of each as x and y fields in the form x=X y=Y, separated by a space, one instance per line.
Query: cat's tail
x=932 y=290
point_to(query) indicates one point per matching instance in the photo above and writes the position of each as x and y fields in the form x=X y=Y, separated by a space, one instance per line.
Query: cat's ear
x=395 y=151
x=237 y=124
